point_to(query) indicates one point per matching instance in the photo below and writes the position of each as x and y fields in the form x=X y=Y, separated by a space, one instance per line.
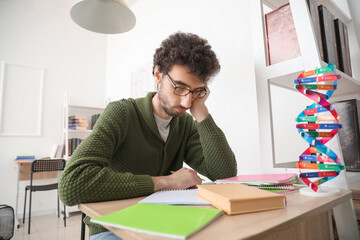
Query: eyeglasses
x=196 y=94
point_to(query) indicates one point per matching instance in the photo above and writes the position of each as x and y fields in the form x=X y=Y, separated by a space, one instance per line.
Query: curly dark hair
x=188 y=50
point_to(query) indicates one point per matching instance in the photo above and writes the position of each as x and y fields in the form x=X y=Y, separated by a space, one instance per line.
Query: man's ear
x=157 y=75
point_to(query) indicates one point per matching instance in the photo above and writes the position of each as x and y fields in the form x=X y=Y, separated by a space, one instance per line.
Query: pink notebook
x=266 y=178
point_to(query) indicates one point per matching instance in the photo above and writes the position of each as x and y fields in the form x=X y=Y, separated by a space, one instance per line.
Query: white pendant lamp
x=103 y=16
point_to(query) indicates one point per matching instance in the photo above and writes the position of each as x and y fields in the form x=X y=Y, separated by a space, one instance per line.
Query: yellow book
x=238 y=198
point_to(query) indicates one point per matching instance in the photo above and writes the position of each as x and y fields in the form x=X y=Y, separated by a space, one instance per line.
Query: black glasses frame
x=185 y=91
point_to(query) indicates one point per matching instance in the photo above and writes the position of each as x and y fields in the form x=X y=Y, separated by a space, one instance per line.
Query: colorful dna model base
x=317 y=125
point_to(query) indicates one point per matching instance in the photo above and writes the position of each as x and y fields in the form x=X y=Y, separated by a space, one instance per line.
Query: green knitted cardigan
x=117 y=160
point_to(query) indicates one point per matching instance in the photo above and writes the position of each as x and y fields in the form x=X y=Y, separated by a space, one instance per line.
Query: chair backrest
x=47 y=165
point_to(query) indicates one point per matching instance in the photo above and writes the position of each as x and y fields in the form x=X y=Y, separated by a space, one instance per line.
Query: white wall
x=74 y=61
x=226 y=26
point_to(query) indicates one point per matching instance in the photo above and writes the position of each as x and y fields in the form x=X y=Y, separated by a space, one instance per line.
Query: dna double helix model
x=317 y=124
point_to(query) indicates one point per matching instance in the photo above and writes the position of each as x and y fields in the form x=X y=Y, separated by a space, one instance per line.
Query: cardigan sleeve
x=208 y=151
x=88 y=178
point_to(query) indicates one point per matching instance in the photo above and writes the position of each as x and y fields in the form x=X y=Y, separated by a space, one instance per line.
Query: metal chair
x=82 y=237
x=44 y=166
x=7 y=222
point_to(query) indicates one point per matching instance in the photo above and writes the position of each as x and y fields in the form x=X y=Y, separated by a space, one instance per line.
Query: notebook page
x=176 y=197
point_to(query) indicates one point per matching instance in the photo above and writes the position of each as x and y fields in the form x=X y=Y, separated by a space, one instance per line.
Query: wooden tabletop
x=244 y=226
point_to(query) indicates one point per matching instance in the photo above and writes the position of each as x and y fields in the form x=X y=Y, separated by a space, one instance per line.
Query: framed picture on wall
x=21 y=94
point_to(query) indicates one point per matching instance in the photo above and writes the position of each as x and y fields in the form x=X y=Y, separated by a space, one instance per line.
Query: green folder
x=163 y=220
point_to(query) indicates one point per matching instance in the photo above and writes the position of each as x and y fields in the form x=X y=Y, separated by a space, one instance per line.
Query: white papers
x=175 y=197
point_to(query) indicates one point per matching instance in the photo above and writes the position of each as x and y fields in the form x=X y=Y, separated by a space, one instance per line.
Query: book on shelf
x=161 y=220
x=347 y=64
x=238 y=198
x=71 y=127
x=60 y=151
x=343 y=47
x=349 y=134
x=57 y=151
x=77 y=117
x=315 y=19
x=175 y=197
x=73 y=143
x=81 y=124
x=78 y=120
x=94 y=118
x=328 y=35
x=264 y=179
x=282 y=40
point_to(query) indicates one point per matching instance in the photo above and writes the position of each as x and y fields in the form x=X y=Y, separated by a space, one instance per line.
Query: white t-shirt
x=163 y=126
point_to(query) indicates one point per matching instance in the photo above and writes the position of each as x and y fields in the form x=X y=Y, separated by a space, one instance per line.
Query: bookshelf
x=69 y=110
x=282 y=74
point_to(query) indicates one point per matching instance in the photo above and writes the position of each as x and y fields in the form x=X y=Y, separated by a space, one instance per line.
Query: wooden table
x=355 y=188
x=305 y=217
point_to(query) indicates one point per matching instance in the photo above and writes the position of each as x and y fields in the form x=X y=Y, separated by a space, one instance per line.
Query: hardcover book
x=343 y=47
x=238 y=198
x=347 y=64
x=328 y=35
x=79 y=117
x=94 y=118
x=281 y=35
x=315 y=18
x=74 y=127
x=349 y=134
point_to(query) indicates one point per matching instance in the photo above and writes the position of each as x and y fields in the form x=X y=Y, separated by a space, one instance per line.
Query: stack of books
x=78 y=122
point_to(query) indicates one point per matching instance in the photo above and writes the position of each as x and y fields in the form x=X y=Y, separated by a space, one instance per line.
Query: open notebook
x=176 y=197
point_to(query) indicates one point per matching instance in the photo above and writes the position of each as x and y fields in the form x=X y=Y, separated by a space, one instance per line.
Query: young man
x=137 y=143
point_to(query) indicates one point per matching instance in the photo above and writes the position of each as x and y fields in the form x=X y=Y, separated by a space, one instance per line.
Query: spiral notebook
x=176 y=197
x=258 y=179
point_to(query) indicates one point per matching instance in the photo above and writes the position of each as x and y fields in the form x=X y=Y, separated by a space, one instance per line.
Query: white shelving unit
x=70 y=109
x=283 y=74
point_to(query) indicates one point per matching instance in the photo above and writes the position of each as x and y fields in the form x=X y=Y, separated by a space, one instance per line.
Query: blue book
x=25 y=158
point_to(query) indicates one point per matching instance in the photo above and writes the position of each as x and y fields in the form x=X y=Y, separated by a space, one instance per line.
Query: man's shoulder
x=125 y=102
x=131 y=101
x=120 y=107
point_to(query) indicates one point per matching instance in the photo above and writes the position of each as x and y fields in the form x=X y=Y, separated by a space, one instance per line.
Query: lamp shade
x=103 y=16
